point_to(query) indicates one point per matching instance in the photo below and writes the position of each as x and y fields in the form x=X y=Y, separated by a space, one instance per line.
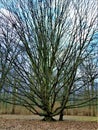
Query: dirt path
x=14 y=122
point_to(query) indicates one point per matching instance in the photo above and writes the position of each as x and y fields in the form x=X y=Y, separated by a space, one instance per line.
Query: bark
x=48 y=118
x=13 y=109
x=61 y=116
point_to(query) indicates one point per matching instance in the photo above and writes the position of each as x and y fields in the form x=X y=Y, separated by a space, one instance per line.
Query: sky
x=1 y=6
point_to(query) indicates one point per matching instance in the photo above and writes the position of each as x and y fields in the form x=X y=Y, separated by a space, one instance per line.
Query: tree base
x=61 y=116
x=48 y=119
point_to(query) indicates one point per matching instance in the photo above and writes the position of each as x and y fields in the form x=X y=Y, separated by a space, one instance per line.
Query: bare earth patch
x=36 y=124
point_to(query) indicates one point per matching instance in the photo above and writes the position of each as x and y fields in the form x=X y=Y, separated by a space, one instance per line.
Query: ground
x=12 y=122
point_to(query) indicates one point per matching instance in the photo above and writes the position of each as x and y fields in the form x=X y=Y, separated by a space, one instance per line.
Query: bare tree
x=89 y=73
x=8 y=52
x=55 y=36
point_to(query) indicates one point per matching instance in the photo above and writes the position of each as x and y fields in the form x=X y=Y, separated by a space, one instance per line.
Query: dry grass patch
x=16 y=124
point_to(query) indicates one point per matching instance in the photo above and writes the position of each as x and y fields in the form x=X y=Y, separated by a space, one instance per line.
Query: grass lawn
x=29 y=117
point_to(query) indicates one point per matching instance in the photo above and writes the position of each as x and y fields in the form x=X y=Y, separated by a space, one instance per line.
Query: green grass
x=66 y=118
x=81 y=118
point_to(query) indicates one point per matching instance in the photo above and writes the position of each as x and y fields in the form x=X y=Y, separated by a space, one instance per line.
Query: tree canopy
x=49 y=42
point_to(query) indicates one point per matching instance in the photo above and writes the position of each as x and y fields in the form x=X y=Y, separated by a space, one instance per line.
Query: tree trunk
x=48 y=118
x=13 y=109
x=61 y=116
x=93 y=107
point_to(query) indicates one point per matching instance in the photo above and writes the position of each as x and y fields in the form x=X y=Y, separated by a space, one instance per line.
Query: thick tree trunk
x=61 y=116
x=48 y=118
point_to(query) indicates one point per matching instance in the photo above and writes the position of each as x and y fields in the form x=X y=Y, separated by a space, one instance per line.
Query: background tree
x=8 y=51
x=55 y=36
x=89 y=73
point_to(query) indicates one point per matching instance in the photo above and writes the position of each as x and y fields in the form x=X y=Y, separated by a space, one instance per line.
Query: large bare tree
x=55 y=37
